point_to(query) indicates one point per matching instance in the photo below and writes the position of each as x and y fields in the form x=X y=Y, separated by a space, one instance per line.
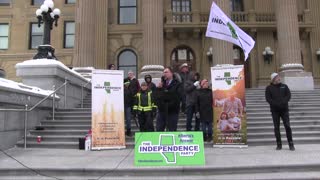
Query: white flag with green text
x=221 y=27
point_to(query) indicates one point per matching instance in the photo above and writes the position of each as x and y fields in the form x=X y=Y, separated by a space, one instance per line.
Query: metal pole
x=65 y=94
x=81 y=95
x=53 y=101
x=25 y=126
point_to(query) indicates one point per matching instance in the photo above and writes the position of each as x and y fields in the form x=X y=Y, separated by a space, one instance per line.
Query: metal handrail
x=26 y=110
x=83 y=86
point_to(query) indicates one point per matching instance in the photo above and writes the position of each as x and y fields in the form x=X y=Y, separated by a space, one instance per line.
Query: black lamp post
x=47 y=15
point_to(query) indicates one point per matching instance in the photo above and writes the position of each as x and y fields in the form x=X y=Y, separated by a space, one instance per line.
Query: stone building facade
x=134 y=33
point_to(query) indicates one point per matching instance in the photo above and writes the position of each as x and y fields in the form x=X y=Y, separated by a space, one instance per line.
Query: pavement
x=259 y=162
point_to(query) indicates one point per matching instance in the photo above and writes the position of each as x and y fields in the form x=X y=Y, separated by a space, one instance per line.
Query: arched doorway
x=182 y=54
x=127 y=60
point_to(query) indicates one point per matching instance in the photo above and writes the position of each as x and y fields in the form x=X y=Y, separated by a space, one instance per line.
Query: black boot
x=291 y=146
x=279 y=146
x=204 y=137
x=128 y=133
x=209 y=138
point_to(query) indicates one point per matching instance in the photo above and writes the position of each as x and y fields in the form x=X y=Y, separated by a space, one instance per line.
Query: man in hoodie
x=278 y=95
x=151 y=86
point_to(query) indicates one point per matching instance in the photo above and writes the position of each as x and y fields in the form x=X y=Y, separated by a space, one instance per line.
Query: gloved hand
x=197 y=83
x=197 y=115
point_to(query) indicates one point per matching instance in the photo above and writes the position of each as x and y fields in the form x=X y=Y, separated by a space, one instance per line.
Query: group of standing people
x=185 y=92
x=175 y=93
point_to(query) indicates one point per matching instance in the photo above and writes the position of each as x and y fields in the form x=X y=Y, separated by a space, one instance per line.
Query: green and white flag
x=221 y=27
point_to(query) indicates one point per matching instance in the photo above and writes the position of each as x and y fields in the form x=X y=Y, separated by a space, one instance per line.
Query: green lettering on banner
x=169 y=149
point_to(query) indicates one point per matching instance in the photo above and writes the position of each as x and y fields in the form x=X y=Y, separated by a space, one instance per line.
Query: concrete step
x=291 y=113
x=59 y=132
x=66 y=127
x=74 y=109
x=55 y=138
x=66 y=122
x=272 y=141
x=291 y=105
x=51 y=145
x=296 y=134
x=292 y=122
x=292 y=109
x=293 y=127
x=267 y=117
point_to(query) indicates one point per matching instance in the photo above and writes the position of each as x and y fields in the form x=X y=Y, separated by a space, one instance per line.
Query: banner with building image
x=107 y=110
x=229 y=120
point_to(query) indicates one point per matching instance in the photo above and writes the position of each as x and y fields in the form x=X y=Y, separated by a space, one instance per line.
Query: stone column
x=101 y=34
x=222 y=50
x=84 y=52
x=289 y=46
x=152 y=20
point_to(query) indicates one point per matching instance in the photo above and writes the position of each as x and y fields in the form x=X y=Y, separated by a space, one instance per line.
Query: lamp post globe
x=47 y=16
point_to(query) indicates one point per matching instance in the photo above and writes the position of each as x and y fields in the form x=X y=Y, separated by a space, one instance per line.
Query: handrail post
x=82 y=95
x=25 y=126
x=53 y=101
x=65 y=93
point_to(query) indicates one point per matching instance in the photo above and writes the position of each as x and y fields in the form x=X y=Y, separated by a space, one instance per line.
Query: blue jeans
x=127 y=113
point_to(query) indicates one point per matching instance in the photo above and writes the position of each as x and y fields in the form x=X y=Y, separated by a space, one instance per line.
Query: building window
x=37 y=2
x=127 y=11
x=69 y=33
x=236 y=5
x=182 y=54
x=70 y=1
x=181 y=11
x=5 y=2
x=36 y=35
x=181 y=5
x=4 y=36
x=127 y=60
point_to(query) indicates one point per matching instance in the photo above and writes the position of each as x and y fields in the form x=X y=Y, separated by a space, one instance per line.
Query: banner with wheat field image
x=107 y=110
x=229 y=118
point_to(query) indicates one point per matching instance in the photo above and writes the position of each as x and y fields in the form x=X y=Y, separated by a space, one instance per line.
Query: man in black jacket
x=168 y=94
x=278 y=95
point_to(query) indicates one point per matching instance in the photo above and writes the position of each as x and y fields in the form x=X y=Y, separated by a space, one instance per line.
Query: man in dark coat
x=204 y=108
x=168 y=94
x=134 y=85
x=278 y=95
x=190 y=88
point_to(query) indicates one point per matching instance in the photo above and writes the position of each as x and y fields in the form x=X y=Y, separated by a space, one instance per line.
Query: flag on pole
x=221 y=27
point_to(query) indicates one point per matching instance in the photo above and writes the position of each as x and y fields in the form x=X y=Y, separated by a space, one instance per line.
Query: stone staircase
x=71 y=124
x=304 y=118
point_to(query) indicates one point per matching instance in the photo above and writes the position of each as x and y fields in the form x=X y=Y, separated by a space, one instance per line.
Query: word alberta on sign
x=107 y=110
x=169 y=149
x=221 y=27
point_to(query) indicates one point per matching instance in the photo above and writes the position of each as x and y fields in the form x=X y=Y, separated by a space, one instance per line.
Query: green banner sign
x=169 y=149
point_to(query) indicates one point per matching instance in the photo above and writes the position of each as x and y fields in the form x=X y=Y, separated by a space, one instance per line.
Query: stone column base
x=297 y=80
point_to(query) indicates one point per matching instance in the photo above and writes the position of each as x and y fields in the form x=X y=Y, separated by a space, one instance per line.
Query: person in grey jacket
x=190 y=88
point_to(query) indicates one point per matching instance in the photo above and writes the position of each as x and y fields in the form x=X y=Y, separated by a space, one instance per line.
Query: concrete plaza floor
x=259 y=162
